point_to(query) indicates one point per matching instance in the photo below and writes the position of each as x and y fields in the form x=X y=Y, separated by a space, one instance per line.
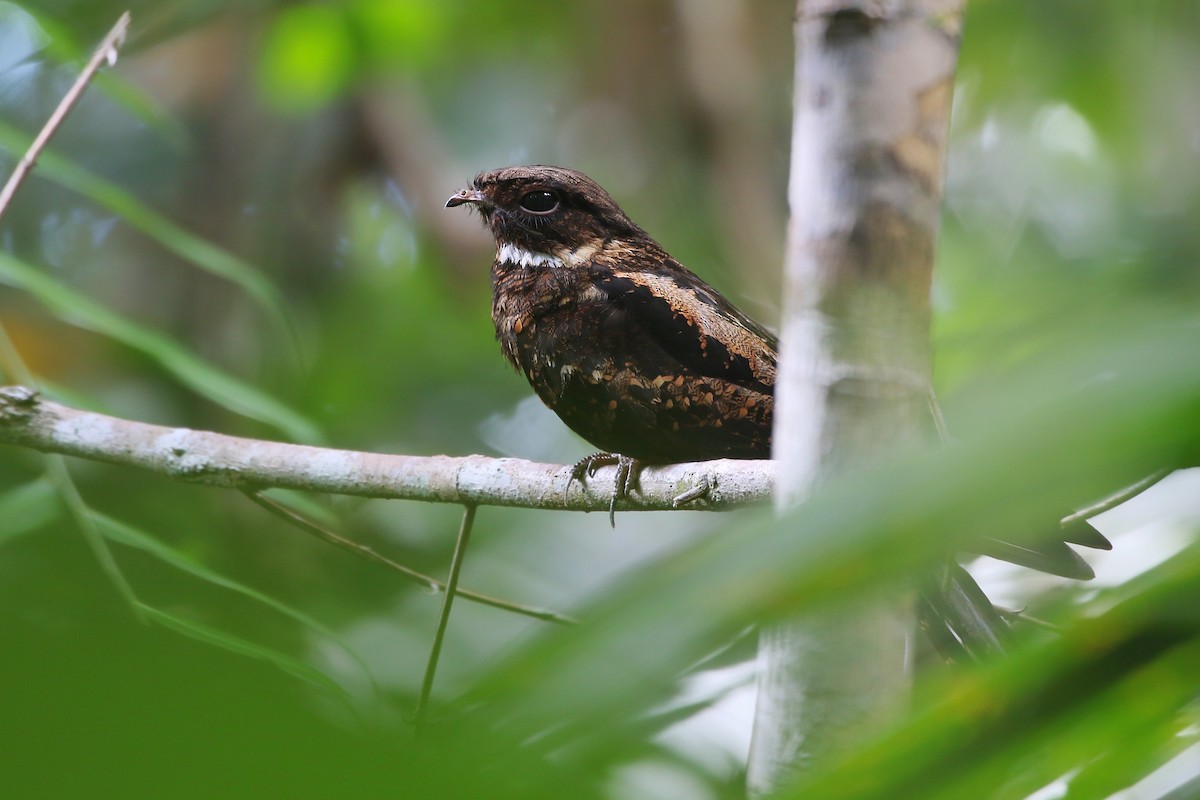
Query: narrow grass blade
x=204 y=379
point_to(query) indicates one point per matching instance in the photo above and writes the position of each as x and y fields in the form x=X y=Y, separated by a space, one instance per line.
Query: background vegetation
x=241 y=229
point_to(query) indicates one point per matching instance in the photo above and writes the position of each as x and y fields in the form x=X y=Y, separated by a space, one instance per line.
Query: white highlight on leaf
x=1063 y=129
x=510 y=253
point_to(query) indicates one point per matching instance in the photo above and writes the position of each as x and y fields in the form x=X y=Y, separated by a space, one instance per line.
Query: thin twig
x=11 y=359
x=429 y=582
x=1019 y=615
x=106 y=52
x=939 y=419
x=456 y=562
x=1115 y=499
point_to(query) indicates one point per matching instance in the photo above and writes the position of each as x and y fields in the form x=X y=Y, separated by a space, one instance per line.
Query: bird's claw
x=693 y=494
x=623 y=484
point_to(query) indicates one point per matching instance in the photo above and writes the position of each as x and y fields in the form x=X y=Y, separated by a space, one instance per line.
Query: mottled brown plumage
x=634 y=352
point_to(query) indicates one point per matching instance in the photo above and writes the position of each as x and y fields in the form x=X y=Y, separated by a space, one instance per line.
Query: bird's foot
x=624 y=482
x=693 y=494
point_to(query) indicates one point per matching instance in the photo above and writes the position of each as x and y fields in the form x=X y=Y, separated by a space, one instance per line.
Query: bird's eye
x=539 y=202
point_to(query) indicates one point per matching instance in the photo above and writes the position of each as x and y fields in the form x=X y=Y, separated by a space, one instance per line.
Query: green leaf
x=27 y=507
x=237 y=644
x=189 y=370
x=191 y=248
x=308 y=56
x=130 y=536
x=1121 y=671
x=1045 y=435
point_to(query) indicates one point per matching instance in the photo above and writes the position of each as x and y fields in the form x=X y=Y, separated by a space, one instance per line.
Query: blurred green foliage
x=240 y=229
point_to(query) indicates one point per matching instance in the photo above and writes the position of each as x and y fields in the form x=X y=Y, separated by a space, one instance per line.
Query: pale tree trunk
x=872 y=102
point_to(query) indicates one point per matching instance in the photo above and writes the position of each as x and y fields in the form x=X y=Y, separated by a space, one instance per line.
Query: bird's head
x=551 y=212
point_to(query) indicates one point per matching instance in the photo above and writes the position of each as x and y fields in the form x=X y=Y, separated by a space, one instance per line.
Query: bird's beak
x=466 y=196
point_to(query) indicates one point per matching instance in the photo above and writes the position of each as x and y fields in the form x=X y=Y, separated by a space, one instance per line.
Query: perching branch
x=214 y=459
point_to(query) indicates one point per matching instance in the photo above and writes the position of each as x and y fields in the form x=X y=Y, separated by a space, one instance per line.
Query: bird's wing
x=692 y=322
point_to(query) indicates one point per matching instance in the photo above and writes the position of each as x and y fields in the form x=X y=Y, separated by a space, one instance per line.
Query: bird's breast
x=542 y=314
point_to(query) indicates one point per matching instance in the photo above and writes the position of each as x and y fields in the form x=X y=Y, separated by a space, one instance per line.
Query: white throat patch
x=511 y=254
